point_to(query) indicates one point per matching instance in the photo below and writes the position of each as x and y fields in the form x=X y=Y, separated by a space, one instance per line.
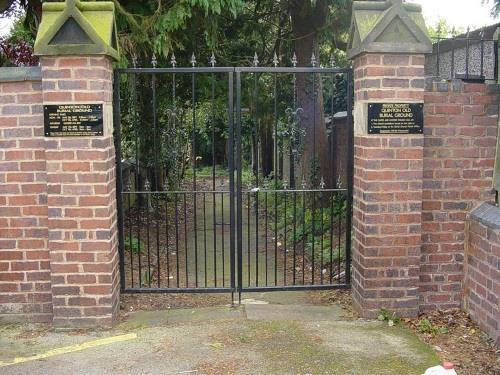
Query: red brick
x=380 y=71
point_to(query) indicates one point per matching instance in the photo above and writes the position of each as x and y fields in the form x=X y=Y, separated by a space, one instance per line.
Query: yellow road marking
x=71 y=349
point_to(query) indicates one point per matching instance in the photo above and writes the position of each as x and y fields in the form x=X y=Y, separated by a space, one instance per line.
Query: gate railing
x=215 y=196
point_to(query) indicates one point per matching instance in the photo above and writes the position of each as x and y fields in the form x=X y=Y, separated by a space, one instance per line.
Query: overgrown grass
x=132 y=243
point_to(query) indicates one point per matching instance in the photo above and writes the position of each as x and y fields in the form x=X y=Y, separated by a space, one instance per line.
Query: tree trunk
x=266 y=145
x=315 y=162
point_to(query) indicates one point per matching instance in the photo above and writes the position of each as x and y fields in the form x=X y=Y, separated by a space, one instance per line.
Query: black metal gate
x=233 y=179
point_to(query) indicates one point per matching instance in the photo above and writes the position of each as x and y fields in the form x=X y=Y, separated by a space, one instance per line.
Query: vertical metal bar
x=452 y=58
x=177 y=238
x=321 y=239
x=350 y=169
x=438 y=57
x=293 y=140
x=231 y=181
x=333 y=153
x=248 y=238
x=304 y=235
x=285 y=246
x=256 y=78
x=119 y=182
x=186 y=266
x=294 y=235
x=266 y=219
x=275 y=170
x=467 y=50
x=339 y=234
x=205 y=237
x=156 y=180
x=331 y=237
x=331 y=143
x=137 y=175
x=313 y=236
x=238 y=182
x=193 y=105
x=223 y=240
x=257 y=236
x=214 y=196
x=167 y=237
x=495 y=58
x=130 y=224
x=148 y=241
x=482 y=53
x=176 y=172
x=315 y=178
x=139 y=224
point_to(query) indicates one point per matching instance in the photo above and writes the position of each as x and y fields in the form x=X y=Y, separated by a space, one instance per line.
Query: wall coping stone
x=17 y=74
x=487 y=214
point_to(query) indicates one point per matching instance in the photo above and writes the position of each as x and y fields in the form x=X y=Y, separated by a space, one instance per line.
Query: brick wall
x=58 y=220
x=387 y=190
x=81 y=185
x=460 y=137
x=25 y=290
x=482 y=271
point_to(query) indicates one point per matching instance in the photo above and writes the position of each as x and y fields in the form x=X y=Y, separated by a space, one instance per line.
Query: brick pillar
x=388 y=173
x=82 y=217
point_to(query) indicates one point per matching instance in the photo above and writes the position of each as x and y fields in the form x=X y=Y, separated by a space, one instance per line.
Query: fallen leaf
x=216 y=345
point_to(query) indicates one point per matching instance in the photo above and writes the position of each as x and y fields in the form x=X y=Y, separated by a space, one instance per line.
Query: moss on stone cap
x=390 y=26
x=77 y=28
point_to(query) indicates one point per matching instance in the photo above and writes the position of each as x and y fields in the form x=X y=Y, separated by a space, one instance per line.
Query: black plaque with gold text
x=395 y=118
x=73 y=120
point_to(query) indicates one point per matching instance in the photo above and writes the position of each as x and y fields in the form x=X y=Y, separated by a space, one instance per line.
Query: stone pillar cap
x=390 y=26
x=77 y=28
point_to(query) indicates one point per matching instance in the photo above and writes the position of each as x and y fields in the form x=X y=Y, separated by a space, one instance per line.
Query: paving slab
x=212 y=314
x=295 y=297
x=293 y=312
x=141 y=319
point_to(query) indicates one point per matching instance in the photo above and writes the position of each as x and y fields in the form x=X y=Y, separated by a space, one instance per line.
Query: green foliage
x=386 y=316
x=132 y=243
x=20 y=32
x=495 y=6
x=162 y=27
x=443 y=29
x=206 y=172
x=426 y=326
x=318 y=219
x=177 y=140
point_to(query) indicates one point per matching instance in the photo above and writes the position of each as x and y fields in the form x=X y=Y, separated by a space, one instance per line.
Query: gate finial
x=255 y=60
x=332 y=61
x=275 y=60
x=313 y=60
